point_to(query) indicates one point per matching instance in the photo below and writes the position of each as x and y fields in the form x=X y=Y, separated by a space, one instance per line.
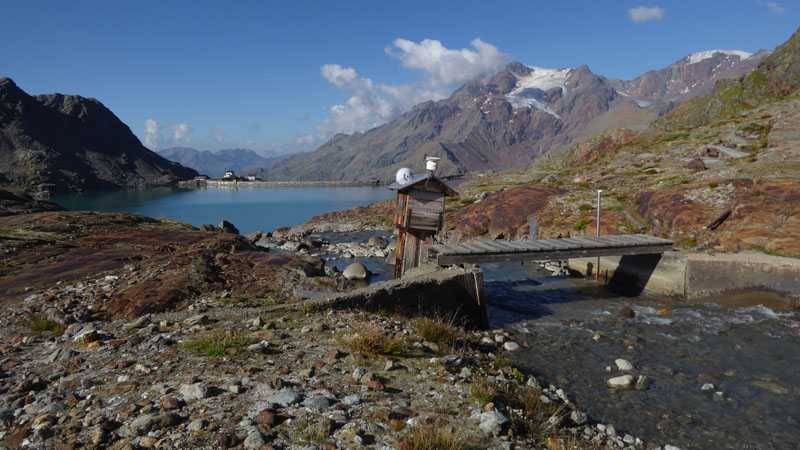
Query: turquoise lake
x=249 y=209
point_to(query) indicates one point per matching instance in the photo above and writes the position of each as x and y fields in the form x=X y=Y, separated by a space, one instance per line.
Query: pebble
x=319 y=402
x=196 y=425
x=511 y=346
x=621 y=382
x=578 y=417
x=492 y=421
x=193 y=392
x=284 y=398
x=351 y=400
x=254 y=439
x=623 y=365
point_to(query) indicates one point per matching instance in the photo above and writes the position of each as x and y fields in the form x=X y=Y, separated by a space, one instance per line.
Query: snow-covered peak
x=699 y=56
x=543 y=79
x=530 y=88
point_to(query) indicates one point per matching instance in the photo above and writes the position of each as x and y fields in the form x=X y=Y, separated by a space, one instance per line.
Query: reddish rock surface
x=765 y=215
x=588 y=151
x=503 y=214
x=158 y=263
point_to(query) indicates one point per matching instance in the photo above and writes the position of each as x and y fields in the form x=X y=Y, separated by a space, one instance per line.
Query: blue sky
x=285 y=76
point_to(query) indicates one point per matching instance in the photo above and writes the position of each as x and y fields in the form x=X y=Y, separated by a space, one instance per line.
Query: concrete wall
x=694 y=276
x=662 y=274
x=426 y=290
x=715 y=274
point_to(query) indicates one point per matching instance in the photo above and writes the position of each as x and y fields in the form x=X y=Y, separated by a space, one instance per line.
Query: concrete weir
x=694 y=276
x=426 y=290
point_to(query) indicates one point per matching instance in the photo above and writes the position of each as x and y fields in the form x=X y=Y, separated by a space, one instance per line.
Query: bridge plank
x=485 y=247
x=536 y=245
x=473 y=248
x=498 y=251
x=498 y=246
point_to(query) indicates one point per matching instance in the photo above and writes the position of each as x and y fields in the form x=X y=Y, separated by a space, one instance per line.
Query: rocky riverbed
x=123 y=331
x=698 y=376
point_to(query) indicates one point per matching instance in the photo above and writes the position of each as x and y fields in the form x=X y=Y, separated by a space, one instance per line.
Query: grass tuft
x=222 y=344
x=441 y=332
x=38 y=323
x=373 y=341
x=435 y=437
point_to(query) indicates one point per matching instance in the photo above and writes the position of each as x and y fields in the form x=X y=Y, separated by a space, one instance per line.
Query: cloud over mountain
x=371 y=104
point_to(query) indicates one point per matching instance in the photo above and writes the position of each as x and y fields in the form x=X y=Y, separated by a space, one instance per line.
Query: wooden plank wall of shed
x=411 y=250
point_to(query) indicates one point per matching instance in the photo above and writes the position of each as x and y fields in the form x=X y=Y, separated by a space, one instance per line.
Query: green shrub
x=39 y=323
x=221 y=344
x=581 y=224
x=752 y=127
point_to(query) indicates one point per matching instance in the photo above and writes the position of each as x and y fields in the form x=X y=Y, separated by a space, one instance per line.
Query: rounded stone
x=622 y=382
x=624 y=365
x=355 y=271
x=511 y=346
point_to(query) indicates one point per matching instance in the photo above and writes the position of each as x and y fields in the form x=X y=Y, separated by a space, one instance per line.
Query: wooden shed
x=418 y=217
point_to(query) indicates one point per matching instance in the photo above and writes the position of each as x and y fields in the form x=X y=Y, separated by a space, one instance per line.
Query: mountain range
x=509 y=119
x=66 y=143
x=214 y=164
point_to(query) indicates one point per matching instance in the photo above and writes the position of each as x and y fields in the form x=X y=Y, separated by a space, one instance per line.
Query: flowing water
x=718 y=377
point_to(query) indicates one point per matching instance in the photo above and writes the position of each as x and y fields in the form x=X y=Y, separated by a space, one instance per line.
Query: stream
x=718 y=377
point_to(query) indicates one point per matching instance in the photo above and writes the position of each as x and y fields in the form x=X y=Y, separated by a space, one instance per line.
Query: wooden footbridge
x=546 y=249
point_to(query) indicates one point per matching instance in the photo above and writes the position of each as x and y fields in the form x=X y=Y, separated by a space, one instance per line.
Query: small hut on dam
x=418 y=214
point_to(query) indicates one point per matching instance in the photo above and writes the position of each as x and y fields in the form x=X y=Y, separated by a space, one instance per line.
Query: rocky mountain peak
x=66 y=143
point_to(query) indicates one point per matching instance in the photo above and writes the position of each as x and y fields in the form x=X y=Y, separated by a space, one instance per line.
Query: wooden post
x=597 y=267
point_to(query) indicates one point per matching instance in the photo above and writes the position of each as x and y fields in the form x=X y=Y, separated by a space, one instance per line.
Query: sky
x=283 y=77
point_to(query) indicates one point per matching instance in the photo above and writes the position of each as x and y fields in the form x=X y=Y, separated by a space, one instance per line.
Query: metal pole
x=597 y=266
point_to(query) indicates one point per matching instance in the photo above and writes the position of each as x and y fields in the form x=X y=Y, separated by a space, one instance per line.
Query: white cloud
x=443 y=66
x=152 y=136
x=306 y=139
x=264 y=148
x=644 y=14
x=179 y=131
x=371 y=104
x=217 y=135
x=365 y=108
x=773 y=6
x=155 y=140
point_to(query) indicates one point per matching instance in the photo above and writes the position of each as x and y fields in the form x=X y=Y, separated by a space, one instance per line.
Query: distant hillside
x=66 y=143
x=776 y=78
x=214 y=164
x=510 y=119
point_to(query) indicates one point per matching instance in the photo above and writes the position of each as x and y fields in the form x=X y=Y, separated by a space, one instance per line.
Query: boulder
x=378 y=241
x=227 y=227
x=356 y=271
x=697 y=164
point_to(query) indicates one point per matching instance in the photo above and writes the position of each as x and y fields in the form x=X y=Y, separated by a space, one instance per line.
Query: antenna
x=431 y=163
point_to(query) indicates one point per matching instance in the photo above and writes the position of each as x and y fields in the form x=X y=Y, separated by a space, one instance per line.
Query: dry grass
x=436 y=437
x=375 y=342
x=441 y=332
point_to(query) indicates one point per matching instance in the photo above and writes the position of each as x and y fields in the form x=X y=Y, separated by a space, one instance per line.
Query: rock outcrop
x=66 y=143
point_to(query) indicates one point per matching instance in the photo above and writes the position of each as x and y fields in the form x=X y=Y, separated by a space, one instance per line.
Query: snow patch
x=530 y=88
x=699 y=56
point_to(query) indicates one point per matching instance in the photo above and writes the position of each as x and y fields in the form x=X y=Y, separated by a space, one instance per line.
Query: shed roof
x=421 y=179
